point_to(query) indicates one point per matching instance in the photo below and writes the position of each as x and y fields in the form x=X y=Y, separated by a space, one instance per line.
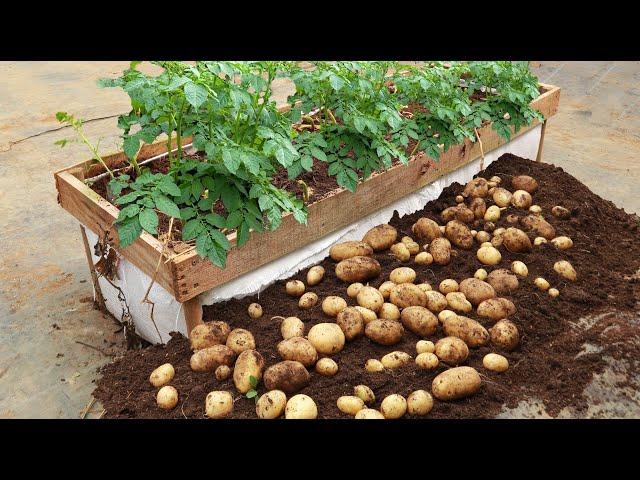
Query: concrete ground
x=52 y=341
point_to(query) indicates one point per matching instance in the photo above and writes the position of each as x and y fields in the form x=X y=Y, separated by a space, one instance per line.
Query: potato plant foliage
x=358 y=117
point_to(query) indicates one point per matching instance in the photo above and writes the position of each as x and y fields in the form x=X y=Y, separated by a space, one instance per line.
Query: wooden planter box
x=187 y=275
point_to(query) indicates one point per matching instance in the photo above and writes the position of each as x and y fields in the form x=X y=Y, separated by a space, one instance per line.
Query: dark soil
x=549 y=365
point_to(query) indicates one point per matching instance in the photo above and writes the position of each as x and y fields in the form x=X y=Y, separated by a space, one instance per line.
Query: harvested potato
x=425 y=287
x=389 y=311
x=504 y=334
x=541 y=283
x=458 y=302
x=466 y=329
x=210 y=358
x=401 y=252
x=425 y=346
x=353 y=289
x=521 y=199
x=250 y=363
x=327 y=338
x=495 y=362
x=456 y=383
x=208 y=334
x=444 y=314
x=384 y=332
x=255 y=310
x=503 y=281
x=344 y=250
x=476 y=188
x=448 y=285
x=407 y=295
x=436 y=302
x=519 y=268
x=271 y=405
x=371 y=298
x=326 y=367
x=499 y=231
x=374 y=365
x=357 y=269
x=538 y=226
x=483 y=236
x=459 y=199
x=301 y=407
x=495 y=179
x=222 y=373
x=367 y=315
x=459 y=234
x=496 y=241
x=315 y=275
x=395 y=359
x=291 y=327
x=502 y=197
x=369 y=414
x=535 y=209
x=512 y=218
x=474 y=233
x=350 y=404
x=496 y=308
x=427 y=361
x=218 y=404
x=240 y=340
x=477 y=291
x=565 y=270
x=289 y=376
x=333 y=305
x=419 y=403
x=406 y=239
x=489 y=255
x=560 y=212
x=424 y=258
x=562 y=242
x=524 y=182
x=440 y=250
x=553 y=292
x=393 y=406
x=516 y=241
x=492 y=214
x=479 y=207
x=486 y=244
x=539 y=241
x=489 y=226
x=385 y=289
x=308 y=300
x=481 y=274
x=381 y=237
x=413 y=247
x=402 y=275
x=167 y=397
x=452 y=350
x=162 y=375
x=426 y=230
x=298 y=349
x=459 y=213
x=295 y=288
x=364 y=393
x=351 y=323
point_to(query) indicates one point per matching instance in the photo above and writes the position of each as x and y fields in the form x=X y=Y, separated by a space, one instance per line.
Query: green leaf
x=131 y=146
x=149 y=220
x=231 y=160
x=242 y=234
x=319 y=154
x=129 y=231
x=129 y=197
x=195 y=94
x=307 y=162
x=216 y=220
x=234 y=219
x=251 y=393
x=167 y=186
x=253 y=381
x=231 y=198
x=129 y=211
x=192 y=229
x=165 y=205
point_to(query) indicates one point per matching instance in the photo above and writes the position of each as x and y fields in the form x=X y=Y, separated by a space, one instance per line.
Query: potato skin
x=459 y=234
x=425 y=346
x=456 y=383
x=371 y=298
x=468 y=330
x=315 y=275
x=436 y=302
x=218 y=404
x=419 y=320
x=393 y=406
x=162 y=375
x=538 y=226
x=367 y=315
x=389 y=311
x=478 y=206
x=495 y=362
x=401 y=252
x=384 y=332
x=503 y=281
x=381 y=237
x=308 y=300
x=354 y=289
x=426 y=230
x=496 y=308
x=209 y=334
x=402 y=275
x=365 y=393
x=516 y=241
x=478 y=187
x=351 y=323
x=167 y=397
x=476 y=291
x=369 y=414
x=459 y=213
x=560 y=212
x=357 y=269
x=440 y=250
x=489 y=255
x=562 y=242
x=295 y=288
x=395 y=359
x=333 y=305
x=222 y=373
x=427 y=361
x=291 y=327
x=524 y=182
x=210 y=358
x=298 y=349
x=502 y=197
x=350 y=404
x=289 y=376
x=521 y=199
x=373 y=365
x=250 y=363
x=504 y=334
x=407 y=295
x=565 y=270
x=326 y=367
x=240 y=340
x=452 y=350
x=419 y=403
x=327 y=338
x=344 y=250
x=271 y=405
x=301 y=407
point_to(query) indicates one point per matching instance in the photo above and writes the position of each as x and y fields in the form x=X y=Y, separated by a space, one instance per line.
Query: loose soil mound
x=551 y=364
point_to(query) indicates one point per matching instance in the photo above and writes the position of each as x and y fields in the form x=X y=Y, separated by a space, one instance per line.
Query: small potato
x=353 y=289
x=395 y=359
x=504 y=334
x=301 y=407
x=402 y=275
x=208 y=334
x=250 y=363
x=516 y=241
x=425 y=287
x=419 y=403
x=458 y=302
x=524 y=182
x=521 y=199
x=489 y=255
x=327 y=338
x=365 y=394
x=459 y=213
x=167 y=397
x=162 y=375
x=222 y=373
x=344 y=250
x=326 y=367
x=496 y=241
x=218 y=404
x=424 y=258
x=333 y=305
x=255 y=310
x=538 y=226
x=456 y=383
x=289 y=376
x=271 y=405
x=496 y=308
x=406 y=295
x=384 y=332
x=459 y=234
x=444 y=314
x=562 y=243
x=369 y=414
x=210 y=358
x=495 y=179
x=495 y=362
x=291 y=327
x=367 y=315
x=489 y=226
x=479 y=207
x=436 y=302
x=539 y=241
x=535 y=209
x=440 y=250
x=389 y=311
x=385 y=289
x=381 y=237
x=295 y=288
x=308 y=300
x=466 y=329
x=560 y=212
x=448 y=285
x=565 y=270
x=240 y=340
x=350 y=404
x=519 y=268
x=357 y=269
x=480 y=274
x=459 y=199
x=553 y=292
x=452 y=350
x=315 y=275
x=476 y=188
x=477 y=291
x=393 y=406
x=492 y=214
x=401 y=252
x=298 y=349
x=406 y=239
x=503 y=281
x=419 y=320
x=351 y=322
x=427 y=361
x=483 y=236
x=499 y=231
x=374 y=365
x=425 y=346
x=370 y=297
x=541 y=283
x=413 y=247
x=426 y=230
x=502 y=197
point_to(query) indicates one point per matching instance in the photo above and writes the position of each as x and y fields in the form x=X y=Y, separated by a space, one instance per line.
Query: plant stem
x=94 y=150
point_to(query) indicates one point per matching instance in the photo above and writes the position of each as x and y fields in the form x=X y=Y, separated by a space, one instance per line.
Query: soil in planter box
x=558 y=355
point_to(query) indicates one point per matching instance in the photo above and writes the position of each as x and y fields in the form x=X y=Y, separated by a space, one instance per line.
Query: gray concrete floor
x=51 y=339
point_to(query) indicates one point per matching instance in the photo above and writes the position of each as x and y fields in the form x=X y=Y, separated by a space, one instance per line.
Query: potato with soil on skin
x=371 y=298
x=503 y=281
x=402 y=275
x=308 y=300
x=327 y=338
x=541 y=283
x=427 y=361
x=539 y=226
x=350 y=404
x=436 y=302
x=426 y=230
x=344 y=250
x=452 y=350
x=502 y=197
x=395 y=360
x=419 y=403
x=535 y=209
x=565 y=270
x=560 y=212
x=271 y=405
x=294 y=288
x=367 y=315
x=222 y=373
x=373 y=365
x=476 y=188
x=393 y=406
x=459 y=213
x=389 y=311
x=476 y=291
x=298 y=349
x=562 y=242
x=466 y=329
x=553 y=292
x=489 y=255
x=333 y=305
x=385 y=289
x=492 y=214
x=448 y=285
x=167 y=397
x=291 y=327
x=384 y=332
x=516 y=241
x=495 y=362
x=423 y=258
x=254 y=310
x=459 y=234
x=524 y=182
x=401 y=252
x=425 y=287
x=301 y=407
x=218 y=404
x=519 y=268
x=357 y=269
x=365 y=394
x=479 y=207
x=413 y=247
x=440 y=250
x=162 y=375
x=496 y=241
x=407 y=295
x=353 y=289
x=326 y=367
x=369 y=414
x=425 y=346
x=521 y=199
x=210 y=358
x=289 y=376
x=458 y=302
x=504 y=334
x=351 y=323
x=512 y=218
x=208 y=334
x=483 y=236
x=315 y=275
x=496 y=308
x=250 y=363
x=381 y=237
x=539 y=241
x=240 y=340
x=444 y=314
x=481 y=274
x=456 y=383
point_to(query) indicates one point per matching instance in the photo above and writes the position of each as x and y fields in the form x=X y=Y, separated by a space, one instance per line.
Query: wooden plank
x=92 y=271
x=192 y=313
x=541 y=144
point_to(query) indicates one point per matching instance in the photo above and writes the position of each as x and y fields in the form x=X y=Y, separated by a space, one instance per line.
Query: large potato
x=427 y=361
x=456 y=383
x=419 y=403
x=327 y=338
x=565 y=270
x=496 y=308
x=315 y=275
x=521 y=199
x=301 y=407
x=209 y=334
x=502 y=197
x=271 y=405
x=440 y=250
x=426 y=230
x=167 y=397
x=460 y=213
x=367 y=315
x=344 y=250
x=240 y=340
x=503 y=281
x=402 y=275
x=476 y=188
x=395 y=359
x=393 y=406
x=384 y=332
x=524 y=182
x=381 y=237
x=292 y=327
x=333 y=305
x=436 y=302
x=539 y=226
x=289 y=376
x=516 y=241
x=407 y=295
x=389 y=311
x=210 y=358
x=467 y=330
x=476 y=291
x=504 y=334
x=357 y=269
x=452 y=350
x=370 y=297
x=478 y=206
x=162 y=375
x=459 y=234
x=218 y=404
x=326 y=367
x=351 y=322
x=562 y=242
x=350 y=404
x=250 y=363
x=299 y=349
x=419 y=320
